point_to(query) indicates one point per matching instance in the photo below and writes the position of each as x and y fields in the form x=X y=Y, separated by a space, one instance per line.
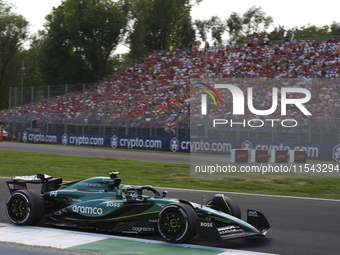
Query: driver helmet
x=126 y=192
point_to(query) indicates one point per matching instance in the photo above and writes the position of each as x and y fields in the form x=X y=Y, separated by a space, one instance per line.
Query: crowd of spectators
x=159 y=84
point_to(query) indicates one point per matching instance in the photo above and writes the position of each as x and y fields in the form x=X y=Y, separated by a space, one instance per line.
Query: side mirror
x=164 y=193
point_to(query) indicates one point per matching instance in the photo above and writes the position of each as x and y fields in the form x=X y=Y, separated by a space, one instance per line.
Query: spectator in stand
x=232 y=43
x=261 y=41
x=245 y=42
x=190 y=46
x=250 y=41
x=206 y=46
x=287 y=39
x=266 y=40
x=164 y=76
x=198 y=44
x=193 y=48
x=255 y=41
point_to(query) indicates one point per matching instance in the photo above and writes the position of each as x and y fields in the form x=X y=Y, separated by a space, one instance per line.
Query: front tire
x=177 y=223
x=25 y=207
x=225 y=204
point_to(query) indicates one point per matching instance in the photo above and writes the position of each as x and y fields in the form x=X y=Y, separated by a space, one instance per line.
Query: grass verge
x=162 y=174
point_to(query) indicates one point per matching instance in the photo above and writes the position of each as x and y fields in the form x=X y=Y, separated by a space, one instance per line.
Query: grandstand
x=141 y=98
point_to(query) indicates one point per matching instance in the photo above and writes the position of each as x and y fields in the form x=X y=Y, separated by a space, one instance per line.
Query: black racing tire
x=25 y=207
x=225 y=204
x=177 y=223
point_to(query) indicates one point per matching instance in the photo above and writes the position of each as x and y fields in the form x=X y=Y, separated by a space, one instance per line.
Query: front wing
x=206 y=227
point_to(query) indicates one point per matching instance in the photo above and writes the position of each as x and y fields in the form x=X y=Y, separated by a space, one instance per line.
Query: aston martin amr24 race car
x=101 y=203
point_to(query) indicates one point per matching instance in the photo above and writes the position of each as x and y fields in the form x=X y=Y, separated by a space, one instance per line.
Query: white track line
x=63 y=239
x=42 y=237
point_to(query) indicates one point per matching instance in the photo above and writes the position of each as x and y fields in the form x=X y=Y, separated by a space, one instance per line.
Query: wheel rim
x=18 y=208
x=172 y=224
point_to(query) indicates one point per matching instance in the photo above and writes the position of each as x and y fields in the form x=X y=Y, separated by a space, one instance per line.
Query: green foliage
x=79 y=40
x=252 y=22
x=335 y=28
x=309 y=31
x=255 y=20
x=202 y=27
x=13 y=33
x=234 y=25
x=158 y=23
x=277 y=33
x=217 y=30
x=185 y=32
x=215 y=26
x=32 y=74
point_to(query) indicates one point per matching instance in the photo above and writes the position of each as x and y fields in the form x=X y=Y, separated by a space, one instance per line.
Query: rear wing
x=48 y=182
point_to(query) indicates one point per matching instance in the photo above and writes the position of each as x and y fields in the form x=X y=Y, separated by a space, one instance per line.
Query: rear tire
x=225 y=204
x=25 y=207
x=177 y=223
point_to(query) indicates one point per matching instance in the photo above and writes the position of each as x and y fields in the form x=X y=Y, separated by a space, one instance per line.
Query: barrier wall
x=111 y=141
x=314 y=151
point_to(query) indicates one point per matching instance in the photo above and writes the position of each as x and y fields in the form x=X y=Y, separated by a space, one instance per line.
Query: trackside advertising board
x=315 y=151
x=110 y=141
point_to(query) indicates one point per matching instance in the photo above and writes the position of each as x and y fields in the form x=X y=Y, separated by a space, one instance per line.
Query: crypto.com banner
x=273 y=111
x=172 y=144
x=221 y=147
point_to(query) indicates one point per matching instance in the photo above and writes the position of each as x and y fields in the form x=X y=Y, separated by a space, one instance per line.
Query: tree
x=253 y=22
x=234 y=25
x=202 y=27
x=31 y=57
x=58 y=62
x=136 y=35
x=310 y=31
x=185 y=32
x=277 y=33
x=79 y=39
x=214 y=26
x=335 y=28
x=217 y=29
x=158 y=23
x=13 y=33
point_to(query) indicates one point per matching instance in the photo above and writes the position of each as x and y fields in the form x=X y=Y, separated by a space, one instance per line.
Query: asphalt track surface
x=298 y=225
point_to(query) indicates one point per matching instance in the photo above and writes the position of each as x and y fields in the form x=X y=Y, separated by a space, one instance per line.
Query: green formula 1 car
x=101 y=203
